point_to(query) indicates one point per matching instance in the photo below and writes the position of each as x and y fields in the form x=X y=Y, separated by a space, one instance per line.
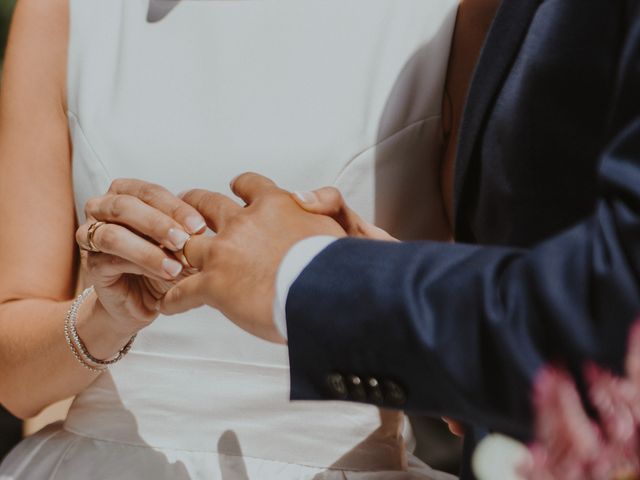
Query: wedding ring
x=90 y=235
x=182 y=256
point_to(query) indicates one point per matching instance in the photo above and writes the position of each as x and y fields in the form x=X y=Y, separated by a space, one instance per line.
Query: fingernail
x=182 y=194
x=194 y=224
x=306 y=197
x=178 y=238
x=157 y=306
x=172 y=267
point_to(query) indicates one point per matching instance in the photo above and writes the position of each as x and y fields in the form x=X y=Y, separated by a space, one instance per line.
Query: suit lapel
x=498 y=54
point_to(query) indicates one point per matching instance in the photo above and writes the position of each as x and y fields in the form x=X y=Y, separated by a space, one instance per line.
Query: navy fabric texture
x=548 y=220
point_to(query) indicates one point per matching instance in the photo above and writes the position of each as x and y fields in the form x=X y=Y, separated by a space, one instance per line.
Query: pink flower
x=569 y=444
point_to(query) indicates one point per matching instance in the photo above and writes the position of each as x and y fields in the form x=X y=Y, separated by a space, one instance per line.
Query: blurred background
x=10 y=428
x=6 y=8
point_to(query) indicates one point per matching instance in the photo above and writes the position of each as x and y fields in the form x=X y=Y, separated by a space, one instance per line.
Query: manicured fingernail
x=172 y=267
x=306 y=197
x=178 y=238
x=194 y=224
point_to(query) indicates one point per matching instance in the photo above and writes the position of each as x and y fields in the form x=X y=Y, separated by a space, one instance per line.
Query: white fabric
x=308 y=92
x=294 y=262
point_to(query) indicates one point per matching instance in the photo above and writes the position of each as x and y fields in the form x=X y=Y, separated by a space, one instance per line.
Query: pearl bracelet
x=77 y=346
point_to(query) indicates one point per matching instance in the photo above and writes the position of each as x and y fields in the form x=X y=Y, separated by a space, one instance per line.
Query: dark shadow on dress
x=83 y=457
x=150 y=463
x=158 y=9
x=232 y=466
x=402 y=181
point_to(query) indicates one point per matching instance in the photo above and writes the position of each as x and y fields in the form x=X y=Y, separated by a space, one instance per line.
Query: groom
x=547 y=219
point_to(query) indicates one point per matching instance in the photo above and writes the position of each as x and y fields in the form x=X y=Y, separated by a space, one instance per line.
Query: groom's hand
x=330 y=202
x=238 y=266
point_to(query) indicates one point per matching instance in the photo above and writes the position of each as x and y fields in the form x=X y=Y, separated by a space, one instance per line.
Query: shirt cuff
x=293 y=263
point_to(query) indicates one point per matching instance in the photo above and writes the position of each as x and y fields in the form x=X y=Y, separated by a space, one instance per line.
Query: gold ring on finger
x=182 y=256
x=91 y=234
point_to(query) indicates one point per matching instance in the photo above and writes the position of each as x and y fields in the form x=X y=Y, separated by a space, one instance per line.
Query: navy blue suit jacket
x=547 y=196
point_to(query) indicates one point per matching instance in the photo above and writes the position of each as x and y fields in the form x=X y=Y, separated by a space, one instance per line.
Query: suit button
x=337 y=386
x=374 y=392
x=356 y=389
x=394 y=394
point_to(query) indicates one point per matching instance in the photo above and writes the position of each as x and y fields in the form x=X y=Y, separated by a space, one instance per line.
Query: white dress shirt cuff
x=293 y=263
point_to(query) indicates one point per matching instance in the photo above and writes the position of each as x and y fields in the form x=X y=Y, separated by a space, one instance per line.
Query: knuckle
x=91 y=206
x=200 y=198
x=118 y=207
x=148 y=192
x=333 y=200
x=160 y=226
x=180 y=212
x=119 y=184
x=149 y=258
x=106 y=238
x=241 y=179
x=245 y=176
x=190 y=195
x=333 y=195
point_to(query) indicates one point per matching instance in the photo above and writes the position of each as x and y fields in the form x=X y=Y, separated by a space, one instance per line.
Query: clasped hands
x=136 y=278
x=237 y=268
x=132 y=256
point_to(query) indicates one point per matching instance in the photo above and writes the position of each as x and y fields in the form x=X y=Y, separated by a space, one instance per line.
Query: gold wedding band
x=183 y=257
x=91 y=233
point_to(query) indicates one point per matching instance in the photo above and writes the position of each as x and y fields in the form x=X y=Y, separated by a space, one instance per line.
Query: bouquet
x=569 y=444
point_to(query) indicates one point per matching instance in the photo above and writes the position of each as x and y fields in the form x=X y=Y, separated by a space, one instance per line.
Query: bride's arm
x=38 y=253
x=36 y=213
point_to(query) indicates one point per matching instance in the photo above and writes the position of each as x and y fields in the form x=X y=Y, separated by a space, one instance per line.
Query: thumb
x=324 y=201
x=330 y=202
x=183 y=296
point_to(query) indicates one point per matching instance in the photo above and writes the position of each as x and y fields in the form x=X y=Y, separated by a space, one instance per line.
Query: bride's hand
x=133 y=266
x=330 y=202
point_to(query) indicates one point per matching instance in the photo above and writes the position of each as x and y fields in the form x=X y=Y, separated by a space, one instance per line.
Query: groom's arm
x=461 y=330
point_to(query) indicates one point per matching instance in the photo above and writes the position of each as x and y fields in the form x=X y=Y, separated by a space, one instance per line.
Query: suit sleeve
x=462 y=329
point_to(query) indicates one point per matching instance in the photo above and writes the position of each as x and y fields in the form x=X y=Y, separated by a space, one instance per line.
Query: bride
x=179 y=95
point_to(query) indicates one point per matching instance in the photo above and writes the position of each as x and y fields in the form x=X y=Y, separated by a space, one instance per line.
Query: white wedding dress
x=307 y=92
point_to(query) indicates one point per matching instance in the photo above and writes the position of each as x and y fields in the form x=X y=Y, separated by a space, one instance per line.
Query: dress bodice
x=307 y=92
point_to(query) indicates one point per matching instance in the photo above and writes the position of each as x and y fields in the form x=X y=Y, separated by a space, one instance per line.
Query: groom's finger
x=195 y=251
x=250 y=186
x=184 y=296
x=330 y=202
x=214 y=207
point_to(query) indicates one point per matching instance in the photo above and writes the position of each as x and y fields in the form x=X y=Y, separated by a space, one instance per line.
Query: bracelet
x=77 y=346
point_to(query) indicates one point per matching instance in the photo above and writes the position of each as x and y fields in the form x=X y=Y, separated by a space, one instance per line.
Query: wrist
x=97 y=329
